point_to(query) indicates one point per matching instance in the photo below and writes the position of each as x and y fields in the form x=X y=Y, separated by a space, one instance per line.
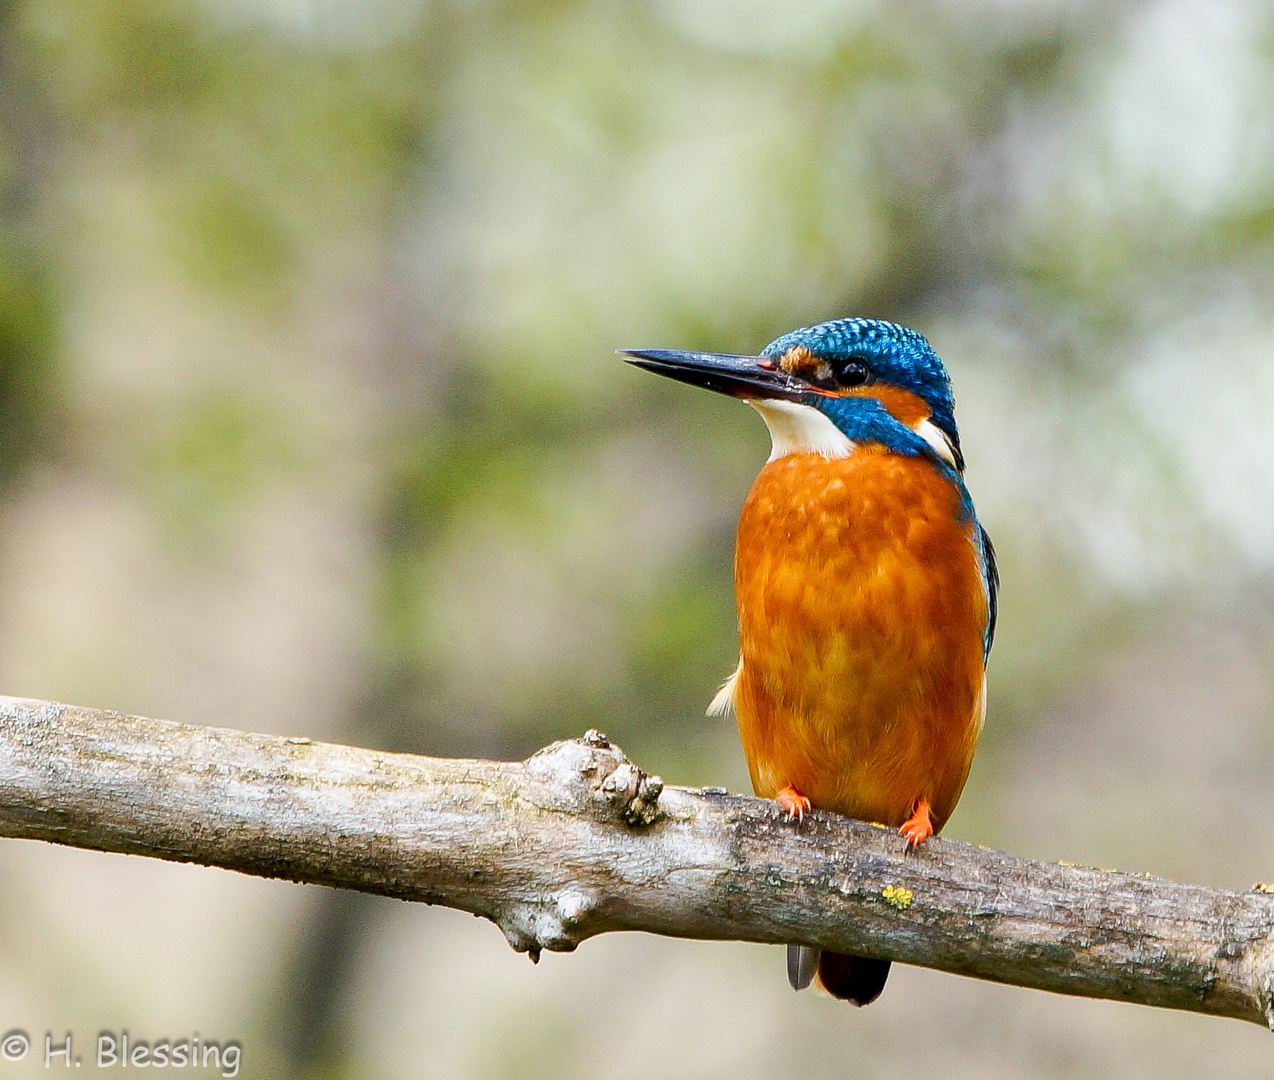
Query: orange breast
x=861 y=619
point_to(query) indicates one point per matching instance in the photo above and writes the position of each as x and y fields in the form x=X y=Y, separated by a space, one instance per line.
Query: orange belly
x=861 y=618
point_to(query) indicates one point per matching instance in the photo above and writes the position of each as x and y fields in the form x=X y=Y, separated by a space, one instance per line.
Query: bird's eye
x=854 y=373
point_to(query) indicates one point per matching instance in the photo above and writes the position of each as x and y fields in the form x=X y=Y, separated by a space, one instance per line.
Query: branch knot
x=596 y=771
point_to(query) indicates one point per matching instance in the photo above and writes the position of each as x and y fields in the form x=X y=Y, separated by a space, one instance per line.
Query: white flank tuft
x=723 y=702
x=802 y=429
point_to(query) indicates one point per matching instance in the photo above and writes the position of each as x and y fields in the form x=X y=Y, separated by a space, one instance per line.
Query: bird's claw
x=794 y=804
x=919 y=827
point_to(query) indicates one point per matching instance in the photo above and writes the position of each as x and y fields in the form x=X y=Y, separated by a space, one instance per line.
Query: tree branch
x=576 y=841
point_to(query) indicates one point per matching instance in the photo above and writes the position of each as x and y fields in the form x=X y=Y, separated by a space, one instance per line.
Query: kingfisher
x=866 y=590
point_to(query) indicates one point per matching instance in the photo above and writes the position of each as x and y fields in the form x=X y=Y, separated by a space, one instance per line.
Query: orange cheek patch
x=904 y=406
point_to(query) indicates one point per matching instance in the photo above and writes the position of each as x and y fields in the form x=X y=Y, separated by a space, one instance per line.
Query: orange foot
x=794 y=804
x=919 y=827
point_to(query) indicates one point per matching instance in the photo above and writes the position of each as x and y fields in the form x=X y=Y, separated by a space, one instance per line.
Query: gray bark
x=576 y=841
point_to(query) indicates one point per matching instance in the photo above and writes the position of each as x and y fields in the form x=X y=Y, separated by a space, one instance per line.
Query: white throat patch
x=801 y=429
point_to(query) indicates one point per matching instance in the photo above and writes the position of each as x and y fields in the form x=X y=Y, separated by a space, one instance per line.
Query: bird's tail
x=850 y=978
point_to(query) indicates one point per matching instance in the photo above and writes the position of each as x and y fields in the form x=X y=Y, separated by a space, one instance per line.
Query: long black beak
x=738 y=376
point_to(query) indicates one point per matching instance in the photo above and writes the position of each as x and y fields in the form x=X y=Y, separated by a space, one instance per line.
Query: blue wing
x=991 y=577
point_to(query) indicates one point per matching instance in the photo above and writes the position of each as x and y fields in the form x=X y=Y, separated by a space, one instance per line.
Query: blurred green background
x=310 y=423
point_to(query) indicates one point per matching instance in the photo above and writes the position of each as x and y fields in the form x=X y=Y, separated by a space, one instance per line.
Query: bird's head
x=826 y=388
